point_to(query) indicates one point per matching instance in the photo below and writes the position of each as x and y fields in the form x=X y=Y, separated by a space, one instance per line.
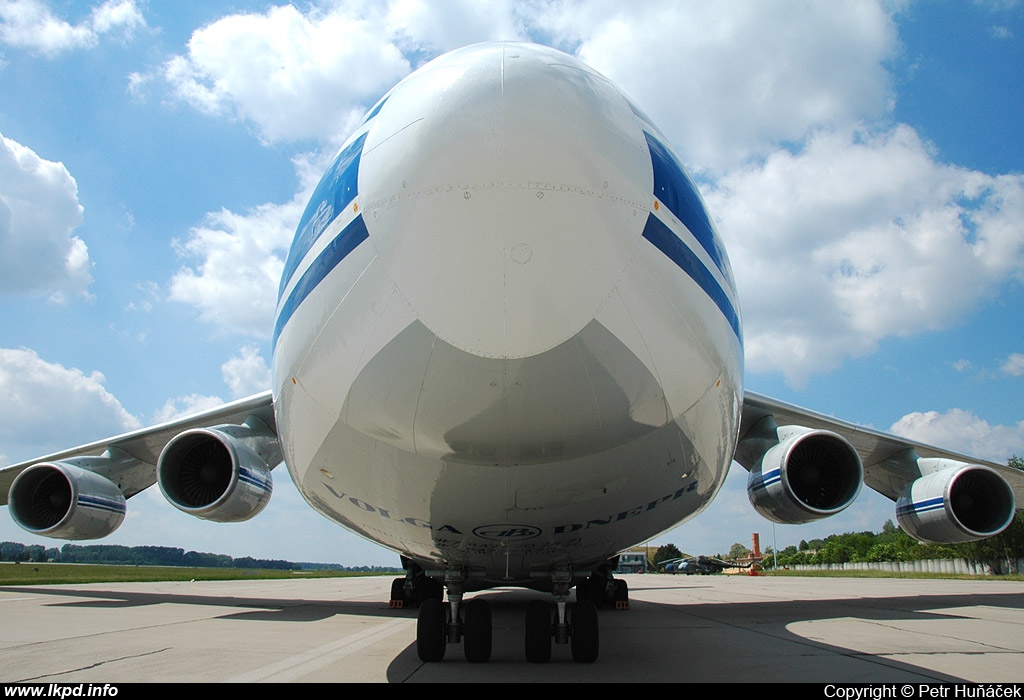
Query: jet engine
x=804 y=476
x=959 y=503
x=56 y=499
x=220 y=474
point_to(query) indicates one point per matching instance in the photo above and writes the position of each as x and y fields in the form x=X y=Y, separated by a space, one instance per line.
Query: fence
x=930 y=566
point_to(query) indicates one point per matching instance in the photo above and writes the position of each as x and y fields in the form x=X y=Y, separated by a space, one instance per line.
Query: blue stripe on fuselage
x=676 y=191
x=376 y=108
x=343 y=244
x=678 y=252
x=337 y=188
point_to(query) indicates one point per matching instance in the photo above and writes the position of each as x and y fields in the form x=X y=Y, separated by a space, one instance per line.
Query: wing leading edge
x=804 y=465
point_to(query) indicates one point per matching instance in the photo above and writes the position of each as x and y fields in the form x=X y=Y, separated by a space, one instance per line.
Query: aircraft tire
x=621 y=591
x=476 y=631
x=584 y=641
x=538 y=632
x=398 y=591
x=430 y=630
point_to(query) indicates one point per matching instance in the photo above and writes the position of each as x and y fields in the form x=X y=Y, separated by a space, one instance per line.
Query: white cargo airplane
x=507 y=347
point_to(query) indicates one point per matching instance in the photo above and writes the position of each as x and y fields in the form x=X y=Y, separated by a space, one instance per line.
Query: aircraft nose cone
x=505 y=196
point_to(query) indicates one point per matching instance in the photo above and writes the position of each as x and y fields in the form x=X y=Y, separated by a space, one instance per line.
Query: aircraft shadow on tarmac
x=729 y=642
x=696 y=641
x=254 y=608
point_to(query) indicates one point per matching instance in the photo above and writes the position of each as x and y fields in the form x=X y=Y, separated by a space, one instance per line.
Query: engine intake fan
x=220 y=474
x=804 y=475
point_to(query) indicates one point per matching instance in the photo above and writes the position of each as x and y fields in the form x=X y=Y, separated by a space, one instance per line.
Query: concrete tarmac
x=715 y=629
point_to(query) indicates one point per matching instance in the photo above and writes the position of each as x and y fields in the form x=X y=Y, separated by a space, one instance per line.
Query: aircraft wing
x=132 y=457
x=884 y=470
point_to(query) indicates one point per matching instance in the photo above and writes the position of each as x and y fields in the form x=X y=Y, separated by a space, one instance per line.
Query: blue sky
x=862 y=161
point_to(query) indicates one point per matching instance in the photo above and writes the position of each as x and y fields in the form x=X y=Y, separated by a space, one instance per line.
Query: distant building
x=632 y=562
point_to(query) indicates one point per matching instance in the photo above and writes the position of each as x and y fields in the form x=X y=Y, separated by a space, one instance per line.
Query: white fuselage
x=508 y=338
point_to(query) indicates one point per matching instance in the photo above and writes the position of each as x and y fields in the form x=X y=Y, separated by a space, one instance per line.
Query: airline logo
x=505 y=532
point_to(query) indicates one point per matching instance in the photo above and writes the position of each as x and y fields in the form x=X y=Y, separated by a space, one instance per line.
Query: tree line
x=892 y=544
x=155 y=556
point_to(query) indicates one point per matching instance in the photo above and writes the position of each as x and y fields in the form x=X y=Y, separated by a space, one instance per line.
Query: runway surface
x=680 y=628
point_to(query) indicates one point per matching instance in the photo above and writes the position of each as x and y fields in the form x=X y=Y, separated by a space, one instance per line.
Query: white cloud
x=184 y=406
x=974 y=436
x=420 y=25
x=39 y=210
x=148 y=294
x=246 y=373
x=857 y=237
x=1014 y=365
x=116 y=14
x=29 y=24
x=962 y=365
x=241 y=257
x=297 y=75
x=727 y=82
x=48 y=407
x=293 y=76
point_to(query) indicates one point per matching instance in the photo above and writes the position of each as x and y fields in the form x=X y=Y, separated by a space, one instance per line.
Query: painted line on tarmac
x=313 y=660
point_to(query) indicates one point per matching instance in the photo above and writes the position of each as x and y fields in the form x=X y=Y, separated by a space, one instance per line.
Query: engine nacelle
x=808 y=475
x=56 y=499
x=959 y=504
x=219 y=474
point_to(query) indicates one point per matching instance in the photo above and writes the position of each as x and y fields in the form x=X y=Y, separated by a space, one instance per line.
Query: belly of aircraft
x=506 y=465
